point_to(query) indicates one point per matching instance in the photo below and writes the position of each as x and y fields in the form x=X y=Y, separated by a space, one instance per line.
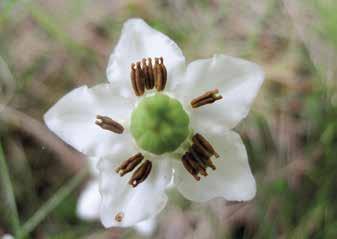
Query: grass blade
x=54 y=201
x=9 y=194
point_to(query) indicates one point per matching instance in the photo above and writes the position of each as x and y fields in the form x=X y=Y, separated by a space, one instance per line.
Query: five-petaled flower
x=159 y=119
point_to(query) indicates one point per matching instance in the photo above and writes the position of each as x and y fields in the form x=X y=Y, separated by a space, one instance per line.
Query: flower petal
x=238 y=82
x=138 y=40
x=147 y=227
x=231 y=180
x=88 y=205
x=72 y=118
x=88 y=208
x=92 y=163
x=7 y=236
x=131 y=205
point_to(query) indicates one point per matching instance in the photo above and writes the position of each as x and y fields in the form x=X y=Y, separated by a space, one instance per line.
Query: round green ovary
x=159 y=124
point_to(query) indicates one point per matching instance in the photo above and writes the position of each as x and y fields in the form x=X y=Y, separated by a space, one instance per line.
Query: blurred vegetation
x=54 y=46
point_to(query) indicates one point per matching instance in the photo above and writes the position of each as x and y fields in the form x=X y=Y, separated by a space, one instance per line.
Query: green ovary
x=159 y=124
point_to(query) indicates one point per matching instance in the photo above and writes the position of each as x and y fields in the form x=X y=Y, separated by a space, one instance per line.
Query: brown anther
x=141 y=173
x=208 y=97
x=133 y=79
x=137 y=79
x=130 y=164
x=148 y=73
x=197 y=157
x=189 y=167
x=144 y=75
x=109 y=124
x=151 y=72
x=119 y=217
x=160 y=74
x=203 y=155
x=197 y=163
x=207 y=161
x=140 y=78
x=163 y=68
x=200 y=140
x=201 y=150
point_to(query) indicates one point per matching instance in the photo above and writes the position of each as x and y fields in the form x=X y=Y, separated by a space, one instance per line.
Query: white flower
x=7 y=236
x=88 y=205
x=181 y=129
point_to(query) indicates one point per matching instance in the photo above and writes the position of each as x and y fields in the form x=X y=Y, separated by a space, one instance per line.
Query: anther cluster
x=145 y=75
x=141 y=173
x=198 y=157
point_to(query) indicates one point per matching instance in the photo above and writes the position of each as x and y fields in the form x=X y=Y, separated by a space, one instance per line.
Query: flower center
x=159 y=124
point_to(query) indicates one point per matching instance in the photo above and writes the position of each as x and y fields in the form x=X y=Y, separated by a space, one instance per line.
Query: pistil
x=109 y=124
x=208 y=97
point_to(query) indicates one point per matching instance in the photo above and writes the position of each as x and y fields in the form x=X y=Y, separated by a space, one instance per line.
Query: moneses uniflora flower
x=158 y=119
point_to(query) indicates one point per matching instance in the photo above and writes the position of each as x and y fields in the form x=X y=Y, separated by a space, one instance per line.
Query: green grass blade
x=9 y=194
x=54 y=201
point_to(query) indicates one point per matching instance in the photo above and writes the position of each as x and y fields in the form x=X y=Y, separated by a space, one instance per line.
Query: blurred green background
x=53 y=46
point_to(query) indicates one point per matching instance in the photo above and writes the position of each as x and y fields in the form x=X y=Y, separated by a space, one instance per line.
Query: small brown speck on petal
x=119 y=217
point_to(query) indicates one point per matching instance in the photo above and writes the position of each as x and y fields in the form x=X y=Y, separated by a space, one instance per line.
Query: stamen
x=200 y=140
x=141 y=173
x=189 y=167
x=133 y=79
x=205 y=159
x=109 y=124
x=198 y=164
x=201 y=150
x=163 y=68
x=160 y=74
x=140 y=79
x=130 y=164
x=151 y=73
x=208 y=97
x=148 y=73
x=137 y=79
x=146 y=76
x=198 y=157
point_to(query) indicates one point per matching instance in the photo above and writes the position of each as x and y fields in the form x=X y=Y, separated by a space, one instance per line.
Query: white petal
x=139 y=40
x=7 y=236
x=133 y=204
x=238 y=82
x=147 y=227
x=88 y=205
x=72 y=118
x=93 y=161
x=231 y=180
